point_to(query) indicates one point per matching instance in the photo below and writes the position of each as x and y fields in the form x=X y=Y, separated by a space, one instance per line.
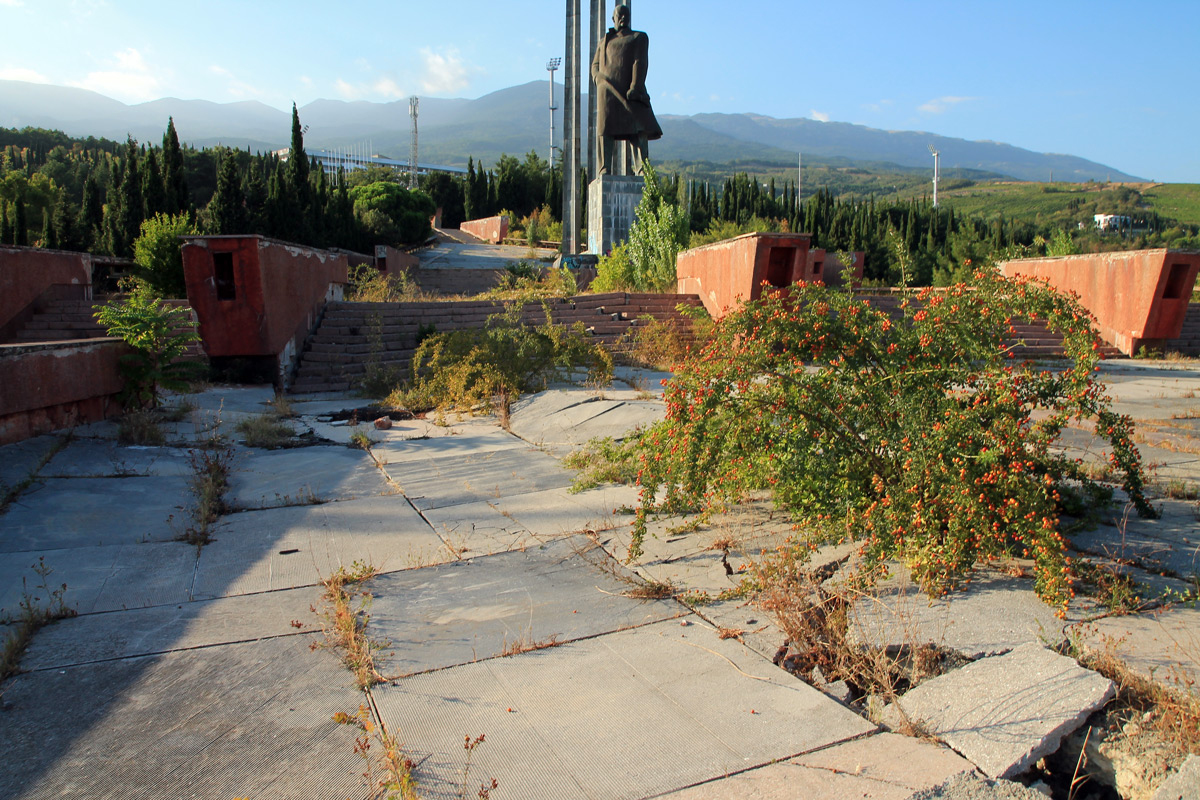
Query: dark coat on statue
x=622 y=104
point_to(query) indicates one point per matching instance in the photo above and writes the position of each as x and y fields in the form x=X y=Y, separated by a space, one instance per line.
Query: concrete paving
x=1006 y=712
x=190 y=672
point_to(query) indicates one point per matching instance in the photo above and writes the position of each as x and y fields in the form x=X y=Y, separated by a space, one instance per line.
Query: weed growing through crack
x=266 y=431
x=527 y=644
x=344 y=616
x=359 y=439
x=141 y=428
x=10 y=493
x=605 y=460
x=39 y=607
x=485 y=789
x=388 y=776
x=211 y=468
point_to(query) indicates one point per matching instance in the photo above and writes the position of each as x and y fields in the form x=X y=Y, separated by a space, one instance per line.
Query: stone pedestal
x=612 y=201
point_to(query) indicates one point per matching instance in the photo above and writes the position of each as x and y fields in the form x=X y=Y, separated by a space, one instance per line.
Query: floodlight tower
x=551 y=66
x=935 y=174
x=412 y=150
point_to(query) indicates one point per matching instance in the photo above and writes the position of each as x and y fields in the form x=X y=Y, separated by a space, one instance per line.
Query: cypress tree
x=175 y=189
x=227 y=209
x=49 y=235
x=6 y=231
x=20 y=224
x=297 y=176
x=154 y=194
x=64 y=224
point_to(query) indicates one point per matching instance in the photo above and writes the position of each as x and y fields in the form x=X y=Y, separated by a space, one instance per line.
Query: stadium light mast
x=551 y=66
x=935 y=174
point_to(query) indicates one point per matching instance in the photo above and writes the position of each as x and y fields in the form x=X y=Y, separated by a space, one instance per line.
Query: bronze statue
x=623 y=112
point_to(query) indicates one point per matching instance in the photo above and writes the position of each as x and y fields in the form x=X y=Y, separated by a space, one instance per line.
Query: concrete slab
x=187 y=724
x=455 y=480
x=452 y=441
x=880 y=767
x=95 y=458
x=1164 y=645
x=259 y=551
x=19 y=460
x=626 y=715
x=474 y=529
x=79 y=512
x=102 y=578
x=1183 y=785
x=163 y=629
x=291 y=477
x=1006 y=712
x=556 y=512
x=458 y=613
x=1170 y=543
x=996 y=613
x=973 y=786
x=572 y=416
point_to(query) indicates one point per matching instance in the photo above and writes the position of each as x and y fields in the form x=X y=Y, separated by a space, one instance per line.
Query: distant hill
x=514 y=121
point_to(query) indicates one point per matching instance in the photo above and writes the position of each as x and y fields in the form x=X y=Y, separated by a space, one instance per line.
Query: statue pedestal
x=612 y=201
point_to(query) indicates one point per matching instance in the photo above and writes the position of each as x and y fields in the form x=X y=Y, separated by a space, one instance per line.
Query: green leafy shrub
x=918 y=437
x=647 y=261
x=160 y=336
x=495 y=364
x=157 y=253
x=390 y=213
x=369 y=285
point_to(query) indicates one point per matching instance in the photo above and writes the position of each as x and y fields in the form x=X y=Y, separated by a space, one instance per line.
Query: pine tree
x=175 y=189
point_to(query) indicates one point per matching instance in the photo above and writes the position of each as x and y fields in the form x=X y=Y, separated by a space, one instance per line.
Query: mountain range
x=515 y=121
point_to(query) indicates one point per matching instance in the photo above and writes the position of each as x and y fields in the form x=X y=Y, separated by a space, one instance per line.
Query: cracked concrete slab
x=1005 y=712
x=163 y=629
x=1162 y=645
x=455 y=480
x=19 y=460
x=280 y=548
x=78 y=512
x=243 y=720
x=291 y=477
x=1183 y=785
x=572 y=416
x=625 y=715
x=879 y=767
x=1170 y=543
x=453 y=614
x=457 y=440
x=94 y=458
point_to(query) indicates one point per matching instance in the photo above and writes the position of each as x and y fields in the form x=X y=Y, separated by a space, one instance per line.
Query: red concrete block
x=489 y=229
x=726 y=274
x=1139 y=297
x=28 y=273
x=832 y=271
x=46 y=387
x=259 y=298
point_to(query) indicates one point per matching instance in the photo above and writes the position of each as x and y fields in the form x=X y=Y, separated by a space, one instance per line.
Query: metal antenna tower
x=412 y=151
x=551 y=66
x=935 y=174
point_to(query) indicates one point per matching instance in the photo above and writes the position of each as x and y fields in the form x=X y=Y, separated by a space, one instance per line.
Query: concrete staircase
x=1188 y=341
x=61 y=320
x=355 y=336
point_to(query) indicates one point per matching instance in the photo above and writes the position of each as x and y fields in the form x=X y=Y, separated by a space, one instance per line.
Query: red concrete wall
x=46 y=387
x=1139 y=297
x=832 y=271
x=389 y=260
x=489 y=229
x=279 y=291
x=26 y=273
x=725 y=274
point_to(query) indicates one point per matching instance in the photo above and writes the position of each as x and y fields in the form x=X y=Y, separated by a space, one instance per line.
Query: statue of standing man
x=623 y=112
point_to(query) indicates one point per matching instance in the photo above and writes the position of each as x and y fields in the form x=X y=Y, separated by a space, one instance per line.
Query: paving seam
x=153 y=653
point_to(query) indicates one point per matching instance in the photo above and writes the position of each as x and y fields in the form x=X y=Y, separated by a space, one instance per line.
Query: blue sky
x=1114 y=82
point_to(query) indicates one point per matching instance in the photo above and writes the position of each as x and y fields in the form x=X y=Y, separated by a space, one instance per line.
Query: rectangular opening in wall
x=779 y=266
x=223 y=276
x=1176 y=282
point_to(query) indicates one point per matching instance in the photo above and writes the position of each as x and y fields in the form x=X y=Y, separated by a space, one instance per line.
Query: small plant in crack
x=211 y=469
x=39 y=607
x=388 y=775
x=527 y=644
x=470 y=745
x=361 y=440
x=344 y=616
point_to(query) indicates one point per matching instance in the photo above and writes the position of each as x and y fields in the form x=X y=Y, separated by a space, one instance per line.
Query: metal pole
x=552 y=65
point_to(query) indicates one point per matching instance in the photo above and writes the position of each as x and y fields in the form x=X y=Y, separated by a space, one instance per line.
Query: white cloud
x=21 y=73
x=236 y=87
x=385 y=87
x=129 y=78
x=444 y=72
x=941 y=104
x=819 y=116
x=878 y=107
x=11 y=3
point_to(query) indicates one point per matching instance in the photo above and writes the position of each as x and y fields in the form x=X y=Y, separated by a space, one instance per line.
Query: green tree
x=227 y=209
x=392 y=214
x=158 y=254
x=175 y=189
x=154 y=195
x=660 y=230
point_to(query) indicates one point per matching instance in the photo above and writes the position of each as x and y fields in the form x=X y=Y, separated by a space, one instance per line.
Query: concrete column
x=597 y=28
x=571 y=119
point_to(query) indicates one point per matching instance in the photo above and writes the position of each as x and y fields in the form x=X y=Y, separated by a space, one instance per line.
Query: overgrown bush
x=160 y=336
x=369 y=285
x=918 y=437
x=647 y=261
x=495 y=364
x=156 y=251
x=525 y=282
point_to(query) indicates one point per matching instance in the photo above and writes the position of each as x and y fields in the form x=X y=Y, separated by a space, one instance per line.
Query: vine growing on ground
x=918 y=435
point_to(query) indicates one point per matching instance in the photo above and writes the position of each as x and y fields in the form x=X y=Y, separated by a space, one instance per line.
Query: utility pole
x=412 y=150
x=551 y=66
x=935 y=174
x=571 y=190
x=799 y=176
